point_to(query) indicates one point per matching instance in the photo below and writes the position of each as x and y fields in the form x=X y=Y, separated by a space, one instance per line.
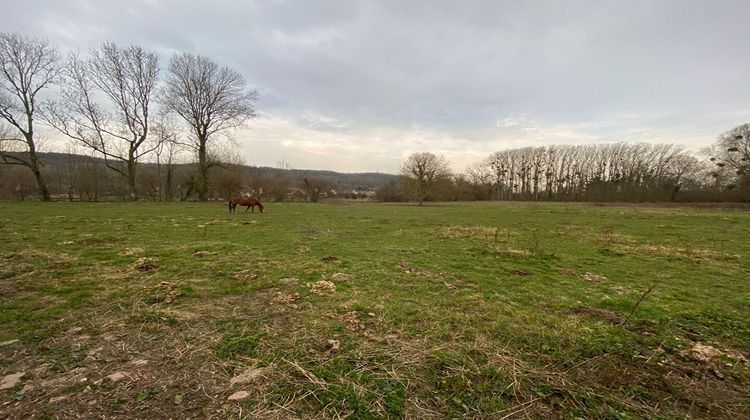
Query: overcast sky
x=359 y=85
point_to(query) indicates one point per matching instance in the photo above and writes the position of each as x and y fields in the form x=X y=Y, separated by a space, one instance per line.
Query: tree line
x=598 y=172
x=114 y=103
x=77 y=176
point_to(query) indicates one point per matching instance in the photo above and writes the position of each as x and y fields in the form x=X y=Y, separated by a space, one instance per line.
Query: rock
x=702 y=353
x=238 y=396
x=117 y=377
x=9 y=381
x=9 y=342
x=93 y=352
x=247 y=376
x=27 y=388
x=54 y=382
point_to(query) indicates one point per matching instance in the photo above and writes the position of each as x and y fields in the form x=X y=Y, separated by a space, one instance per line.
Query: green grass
x=465 y=309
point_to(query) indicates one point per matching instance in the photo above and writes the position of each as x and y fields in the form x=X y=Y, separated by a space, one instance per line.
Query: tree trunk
x=201 y=183
x=131 y=178
x=41 y=184
x=168 y=183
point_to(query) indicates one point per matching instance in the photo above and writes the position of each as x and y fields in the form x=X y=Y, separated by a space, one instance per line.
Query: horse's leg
x=248 y=208
x=253 y=207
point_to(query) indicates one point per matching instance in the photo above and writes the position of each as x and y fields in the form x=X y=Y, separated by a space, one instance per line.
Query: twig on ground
x=643 y=296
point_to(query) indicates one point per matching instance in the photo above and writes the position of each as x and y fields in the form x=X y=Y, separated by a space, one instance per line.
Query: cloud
x=357 y=85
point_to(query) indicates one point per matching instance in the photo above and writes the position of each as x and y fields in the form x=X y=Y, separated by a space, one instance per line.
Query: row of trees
x=114 y=103
x=75 y=176
x=598 y=172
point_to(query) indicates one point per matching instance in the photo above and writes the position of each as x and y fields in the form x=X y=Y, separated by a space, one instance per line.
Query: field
x=498 y=310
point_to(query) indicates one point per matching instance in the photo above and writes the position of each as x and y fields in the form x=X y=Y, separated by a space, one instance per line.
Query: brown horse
x=250 y=202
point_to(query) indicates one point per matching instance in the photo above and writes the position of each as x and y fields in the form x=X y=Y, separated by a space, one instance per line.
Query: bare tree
x=613 y=171
x=423 y=171
x=315 y=188
x=168 y=150
x=731 y=155
x=28 y=66
x=480 y=176
x=127 y=78
x=211 y=100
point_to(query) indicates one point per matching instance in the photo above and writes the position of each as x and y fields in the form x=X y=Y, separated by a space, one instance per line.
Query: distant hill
x=367 y=181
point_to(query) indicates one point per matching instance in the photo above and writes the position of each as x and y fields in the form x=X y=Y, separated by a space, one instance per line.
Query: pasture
x=499 y=310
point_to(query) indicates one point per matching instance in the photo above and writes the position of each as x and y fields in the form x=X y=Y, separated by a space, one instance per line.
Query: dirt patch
x=604 y=314
x=59 y=265
x=322 y=287
x=405 y=267
x=519 y=272
x=245 y=275
x=619 y=290
x=332 y=345
x=593 y=278
x=291 y=281
x=340 y=276
x=172 y=296
x=103 y=240
x=566 y=271
x=513 y=252
x=463 y=231
x=288 y=299
x=330 y=258
x=675 y=251
x=165 y=293
x=146 y=263
x=351 y=320
x=201 y=254
x=130 y=251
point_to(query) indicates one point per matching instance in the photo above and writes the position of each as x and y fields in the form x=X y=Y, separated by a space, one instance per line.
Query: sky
x=357 y=86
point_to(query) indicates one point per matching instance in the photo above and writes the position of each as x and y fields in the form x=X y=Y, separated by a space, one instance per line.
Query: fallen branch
x=643 y=296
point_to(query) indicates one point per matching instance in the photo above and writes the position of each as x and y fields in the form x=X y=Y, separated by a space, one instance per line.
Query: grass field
x=499 y=310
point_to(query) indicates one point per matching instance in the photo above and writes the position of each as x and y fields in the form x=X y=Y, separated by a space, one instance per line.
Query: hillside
x=342 y=181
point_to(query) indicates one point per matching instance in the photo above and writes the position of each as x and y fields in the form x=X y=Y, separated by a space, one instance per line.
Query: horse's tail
x=230 y=205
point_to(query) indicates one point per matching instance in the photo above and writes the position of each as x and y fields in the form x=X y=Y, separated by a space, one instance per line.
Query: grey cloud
x=416 y=71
